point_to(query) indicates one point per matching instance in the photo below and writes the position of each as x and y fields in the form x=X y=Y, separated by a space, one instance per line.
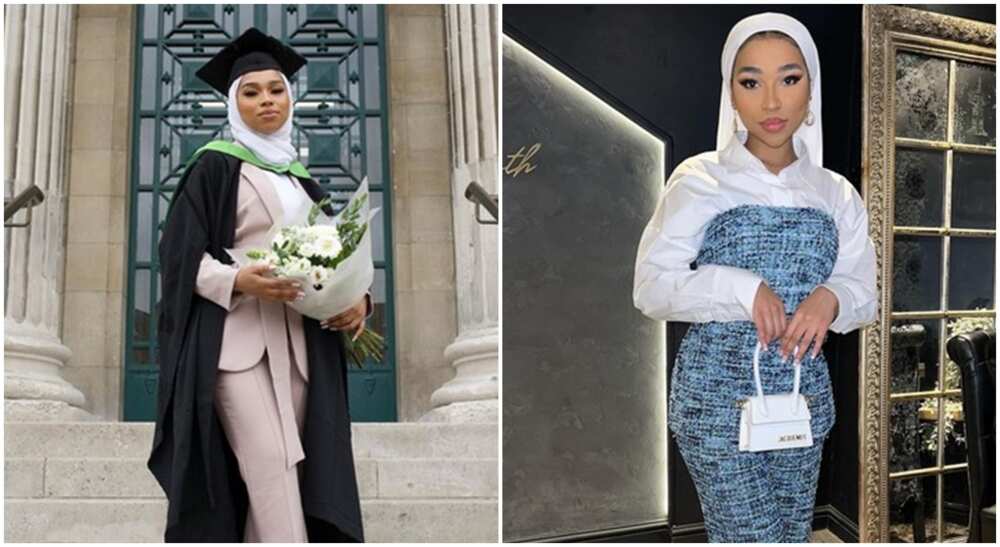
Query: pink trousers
x=248 y=409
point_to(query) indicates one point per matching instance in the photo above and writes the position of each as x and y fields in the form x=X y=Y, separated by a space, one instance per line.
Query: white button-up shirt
x=295 y=202
x=702 y=186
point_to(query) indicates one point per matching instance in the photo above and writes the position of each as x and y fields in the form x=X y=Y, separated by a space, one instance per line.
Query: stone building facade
x=69 y=100
x=69 y=96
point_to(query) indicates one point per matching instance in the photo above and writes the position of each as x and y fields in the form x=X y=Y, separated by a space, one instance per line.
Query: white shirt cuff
x=745 y=285
x=845 y=304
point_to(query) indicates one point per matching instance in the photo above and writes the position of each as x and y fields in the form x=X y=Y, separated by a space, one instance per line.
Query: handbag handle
x=760 y=387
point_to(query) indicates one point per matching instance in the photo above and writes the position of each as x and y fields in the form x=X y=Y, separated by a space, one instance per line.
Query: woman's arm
x=849 y=291
x=217 y=282
x=222 y=283
x=666 y=287
x=853 y=276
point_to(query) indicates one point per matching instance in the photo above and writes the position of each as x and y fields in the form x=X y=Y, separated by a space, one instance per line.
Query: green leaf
x=316 y=208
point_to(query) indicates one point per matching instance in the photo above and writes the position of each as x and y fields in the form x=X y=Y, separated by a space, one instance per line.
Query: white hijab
x=274 y=148
x=811 y=135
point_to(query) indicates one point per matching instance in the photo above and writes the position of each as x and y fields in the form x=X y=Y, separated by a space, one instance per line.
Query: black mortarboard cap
x=253 y=50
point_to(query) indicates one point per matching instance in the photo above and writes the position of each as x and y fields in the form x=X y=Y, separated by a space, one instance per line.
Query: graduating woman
x=253 y=433
x=756 y=242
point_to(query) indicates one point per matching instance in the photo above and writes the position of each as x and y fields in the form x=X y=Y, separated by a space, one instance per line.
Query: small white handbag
x=774 y=422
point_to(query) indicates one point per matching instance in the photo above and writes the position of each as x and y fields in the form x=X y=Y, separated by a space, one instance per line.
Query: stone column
x=38 y=53
x=97 y=224
x=423 y=256
x=472 y=395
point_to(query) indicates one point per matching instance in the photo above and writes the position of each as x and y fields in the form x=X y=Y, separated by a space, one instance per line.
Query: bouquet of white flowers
x=331 y=258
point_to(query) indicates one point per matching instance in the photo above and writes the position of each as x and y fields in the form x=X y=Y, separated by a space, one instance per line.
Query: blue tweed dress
x=754 y=496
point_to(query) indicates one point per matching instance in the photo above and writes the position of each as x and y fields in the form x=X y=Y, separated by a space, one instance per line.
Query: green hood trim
x=226 y=147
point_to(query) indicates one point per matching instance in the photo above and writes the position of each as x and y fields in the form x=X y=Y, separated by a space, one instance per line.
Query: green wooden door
x=340 y=128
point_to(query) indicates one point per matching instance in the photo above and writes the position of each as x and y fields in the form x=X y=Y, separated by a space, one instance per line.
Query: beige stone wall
x=97 y=231
x=424 y=253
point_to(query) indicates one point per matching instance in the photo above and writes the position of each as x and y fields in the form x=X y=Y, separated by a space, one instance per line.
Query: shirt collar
x=737 y=156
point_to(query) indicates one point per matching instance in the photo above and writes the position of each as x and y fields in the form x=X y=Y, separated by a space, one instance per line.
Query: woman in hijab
x=757 y=243
x=253 y=433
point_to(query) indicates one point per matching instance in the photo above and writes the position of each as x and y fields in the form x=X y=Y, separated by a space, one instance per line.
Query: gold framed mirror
x=929 y=163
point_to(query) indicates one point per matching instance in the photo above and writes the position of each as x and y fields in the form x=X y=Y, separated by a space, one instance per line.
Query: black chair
x=975 y=354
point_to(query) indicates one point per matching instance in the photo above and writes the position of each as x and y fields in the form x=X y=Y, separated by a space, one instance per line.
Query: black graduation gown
x=191 y=457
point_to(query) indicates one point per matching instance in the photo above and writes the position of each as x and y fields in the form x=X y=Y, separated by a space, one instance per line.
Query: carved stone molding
x=884 y=27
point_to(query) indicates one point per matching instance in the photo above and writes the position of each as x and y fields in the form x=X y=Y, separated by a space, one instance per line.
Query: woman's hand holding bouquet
x=327 y=262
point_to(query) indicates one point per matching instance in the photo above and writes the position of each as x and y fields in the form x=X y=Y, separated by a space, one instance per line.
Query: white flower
x=329 y=247
x=326 y=241
x=297 y=267
x=308 y=249
x=319 y=275
x=318 y=231
x=304 y=266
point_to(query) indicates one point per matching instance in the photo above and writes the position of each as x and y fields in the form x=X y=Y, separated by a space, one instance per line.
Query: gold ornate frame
x=886 y=28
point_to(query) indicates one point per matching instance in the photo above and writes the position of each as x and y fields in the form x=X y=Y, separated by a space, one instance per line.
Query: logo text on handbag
x=791 y=438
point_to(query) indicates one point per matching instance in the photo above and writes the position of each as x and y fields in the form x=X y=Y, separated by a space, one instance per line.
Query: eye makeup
x=745 y=82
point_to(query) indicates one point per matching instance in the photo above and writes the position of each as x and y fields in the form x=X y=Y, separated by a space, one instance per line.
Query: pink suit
x=262 y=408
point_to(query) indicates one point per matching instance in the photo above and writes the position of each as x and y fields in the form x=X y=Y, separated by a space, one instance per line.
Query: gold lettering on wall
x=519 y=162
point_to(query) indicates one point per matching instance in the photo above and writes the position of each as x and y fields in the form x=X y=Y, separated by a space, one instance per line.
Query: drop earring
x=810 y=119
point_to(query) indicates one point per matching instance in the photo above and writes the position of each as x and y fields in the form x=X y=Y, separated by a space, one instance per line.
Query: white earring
x=810 y=119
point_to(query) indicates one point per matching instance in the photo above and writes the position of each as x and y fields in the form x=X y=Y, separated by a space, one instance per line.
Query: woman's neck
x=775 y=159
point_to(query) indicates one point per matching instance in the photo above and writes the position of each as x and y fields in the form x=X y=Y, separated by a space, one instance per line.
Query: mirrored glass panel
x=919 y=193
x=913 y=509
x=955 y=443
x=916 y=275
x=971 y=273
x=921 y=96
x=974 y=191
x=915 y=353
x=955 y=491
x=908 y=433
x=975 y=104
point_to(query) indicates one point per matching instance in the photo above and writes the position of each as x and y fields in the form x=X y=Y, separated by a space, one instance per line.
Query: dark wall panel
x=584 y=410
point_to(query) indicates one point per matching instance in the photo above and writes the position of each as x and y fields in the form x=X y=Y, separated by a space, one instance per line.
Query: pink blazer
x=252 y=324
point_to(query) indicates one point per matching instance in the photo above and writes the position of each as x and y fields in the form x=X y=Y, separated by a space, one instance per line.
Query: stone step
x=134 y=440
x=112 y=478
x=142 y=520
